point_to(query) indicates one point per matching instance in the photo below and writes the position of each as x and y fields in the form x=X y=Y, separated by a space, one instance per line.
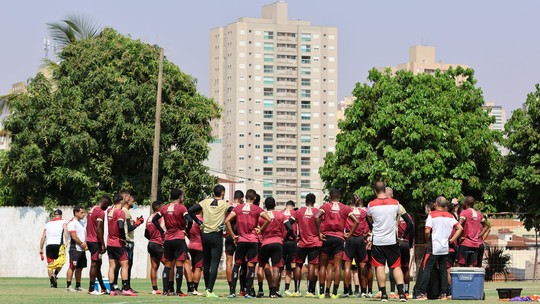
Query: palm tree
x=73 y=28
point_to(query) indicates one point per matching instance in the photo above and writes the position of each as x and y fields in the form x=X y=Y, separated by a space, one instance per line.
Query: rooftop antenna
x=46 y=44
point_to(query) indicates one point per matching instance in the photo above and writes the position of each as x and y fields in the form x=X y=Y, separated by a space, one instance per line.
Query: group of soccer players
x=266 y=244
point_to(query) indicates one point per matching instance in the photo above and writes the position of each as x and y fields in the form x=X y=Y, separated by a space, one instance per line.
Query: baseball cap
x=455 y=201
x=57 y=212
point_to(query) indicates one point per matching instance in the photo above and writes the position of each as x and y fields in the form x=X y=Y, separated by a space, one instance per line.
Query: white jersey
x=384 y=212
x=441 y=224
x=75 y=225
x=53 y=231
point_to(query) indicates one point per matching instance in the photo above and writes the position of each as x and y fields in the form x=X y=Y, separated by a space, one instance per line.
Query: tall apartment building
x=5 y=139
x=276 y=80
x=500 y=116
x=422 y=60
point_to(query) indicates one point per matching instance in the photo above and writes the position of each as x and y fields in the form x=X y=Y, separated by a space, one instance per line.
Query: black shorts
x=175 y=250
x=272 y=252
x=468 y=256
x=332 y=247
x=311 y=253
x=355 y=249
x=117 y=253
x=95 y=250
x=246 y=252
x=155 y=250
x=230 y=247
x=289 y=254
x=51 y=251
x=386 y=254
x=196 y=258
x=405 y=253
x=77 y=259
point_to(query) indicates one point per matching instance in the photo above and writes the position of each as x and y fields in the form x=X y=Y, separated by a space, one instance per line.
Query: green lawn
x=32 y=290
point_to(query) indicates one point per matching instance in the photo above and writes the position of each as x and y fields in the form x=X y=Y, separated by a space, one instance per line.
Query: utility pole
x=157 y=132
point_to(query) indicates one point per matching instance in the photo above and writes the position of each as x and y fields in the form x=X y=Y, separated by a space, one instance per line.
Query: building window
x=306 y=37
x=306 y=59
x=305 y=138
x=305 y=71
x=305 y=116
x=241 y=157
x=305 y=127
x=268 y=159
x=269 y=69
x=268 y=46
x=305 y=150
x=268 y=103
x=257 y=146
x=257 y=134
x=268 y=171
x=267 y=193
x=305 y=183
x=305 y=93
x=305 y=172
x=268 y=125
x=305 y=161
x=306 y=104
x=241 y=135
x=268 y=114
x=306 y=82
x=268 y=58
x=306 y=48
x=268 y=35
x=241 y=146
x=268 y=148
x=267 y=183
x=268 y=137
x=268 y=92
x=268 y=80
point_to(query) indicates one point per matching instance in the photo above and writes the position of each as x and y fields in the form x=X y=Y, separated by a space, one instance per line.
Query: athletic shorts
x=196 y=258
x=312 y=254
x=155 y=250
x=289 y=254
x=175 y=250
x=230 y=247
x=272 y=252
x=355 y=249
x=51 y=251
x=405 y=253
x=386 y=254
x=95 y=251
x=468 y=256
x=77 y=259
x=117 y=253
x=246 y=252
x=451 y=258
x=332 y=247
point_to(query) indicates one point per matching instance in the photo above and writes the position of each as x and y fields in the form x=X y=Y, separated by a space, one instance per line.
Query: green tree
x=92 y=132
x=424 y=135
x=521 y=178
x=72 y=29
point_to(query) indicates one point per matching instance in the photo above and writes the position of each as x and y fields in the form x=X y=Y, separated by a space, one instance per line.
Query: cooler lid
x=467 y=269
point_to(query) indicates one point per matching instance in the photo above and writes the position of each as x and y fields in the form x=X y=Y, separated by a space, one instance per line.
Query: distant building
x=343 y=105
x=5 y=139
x=500 y=116
x=422 y=60
x=276 y=80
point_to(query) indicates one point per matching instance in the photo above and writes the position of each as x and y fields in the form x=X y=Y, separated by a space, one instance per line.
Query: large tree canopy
x=521 y=178
x=424 y=135
x=90 y=129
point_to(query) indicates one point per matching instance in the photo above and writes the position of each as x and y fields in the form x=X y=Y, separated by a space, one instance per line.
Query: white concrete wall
x=20 y=232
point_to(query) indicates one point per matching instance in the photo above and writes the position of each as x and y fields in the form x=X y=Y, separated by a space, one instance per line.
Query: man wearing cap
x=54 y=236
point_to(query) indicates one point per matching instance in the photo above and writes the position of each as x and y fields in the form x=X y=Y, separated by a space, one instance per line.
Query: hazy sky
x=499 y=39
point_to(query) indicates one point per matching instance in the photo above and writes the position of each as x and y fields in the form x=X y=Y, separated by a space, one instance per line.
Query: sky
x=499 y=39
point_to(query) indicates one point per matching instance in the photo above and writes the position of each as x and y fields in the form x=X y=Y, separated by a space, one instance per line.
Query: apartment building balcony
x=286 y=129
x=286 y=106
x=286 y=118
x=285 y=174
x=286 y=84
x=286 y=61
x=286 y=73
x=286 y=38
x=286 y=163
x=283 y=94
x=287 y=50
x=286 y=140
x=286 y=152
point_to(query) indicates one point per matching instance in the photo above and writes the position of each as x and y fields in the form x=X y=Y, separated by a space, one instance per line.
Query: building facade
x=276 y=81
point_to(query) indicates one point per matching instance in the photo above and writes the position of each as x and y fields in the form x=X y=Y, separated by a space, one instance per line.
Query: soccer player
x=271 y=246
x=334 y=214
x=77 y=247
x=474 y=227
x=54 y=236
x=196 y=252
x=174 y=247
x=439 y=225
x=383 y=212
x=289 y=247
x=309 y=245
x=230 y=247
x=355 y=246
x=96 y=242
x=155 y=245
x=213 y=213
x=247 y=217
x=116 y=246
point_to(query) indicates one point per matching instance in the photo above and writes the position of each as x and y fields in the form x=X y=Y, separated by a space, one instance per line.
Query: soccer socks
x=165 y=277
x=406 y=288
x=250 y=278
x=77 y=284
x=179 y=277
x=383 y=291
x=125 y=285
x=336 y=287
x=356 y=288
x=321 y=288
x=171 y=286
x=261 y=287
x=68 y=284
x=232 y=285
x=287 y=286
x=296 y=285
x=400 y=289
x=154 y=287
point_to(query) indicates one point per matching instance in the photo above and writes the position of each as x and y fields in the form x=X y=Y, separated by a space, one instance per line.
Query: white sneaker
x=287 y=293
x=196 y=293
x=96 y=293
x=369 y=295
x=70 y=289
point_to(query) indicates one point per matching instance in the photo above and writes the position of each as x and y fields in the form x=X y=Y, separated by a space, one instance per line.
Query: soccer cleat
x=232 y=296
x=287 y=293
x=393 y=296
x=210 y=294
x=70 y=289
x=384 y=298
x=309 y=295
x=295 y=294
x=378 y=295
x=196 y=293
x=402 y=298
x=80 y=289
x=369 y=295
x=273 y=296
x=129 y=293
x=260 y=294
x=242 y=293
x=421 y=297
x=114 y=293
x=321 y=296
x=443 y=297
x=335 y=296
x=408 y=296
x=95 y=293
x=156 y=292
x=327 y=296
x=363 y=295
x=181 y=294
x=248 y=296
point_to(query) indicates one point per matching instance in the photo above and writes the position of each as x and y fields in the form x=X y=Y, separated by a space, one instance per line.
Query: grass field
x=32 y=290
